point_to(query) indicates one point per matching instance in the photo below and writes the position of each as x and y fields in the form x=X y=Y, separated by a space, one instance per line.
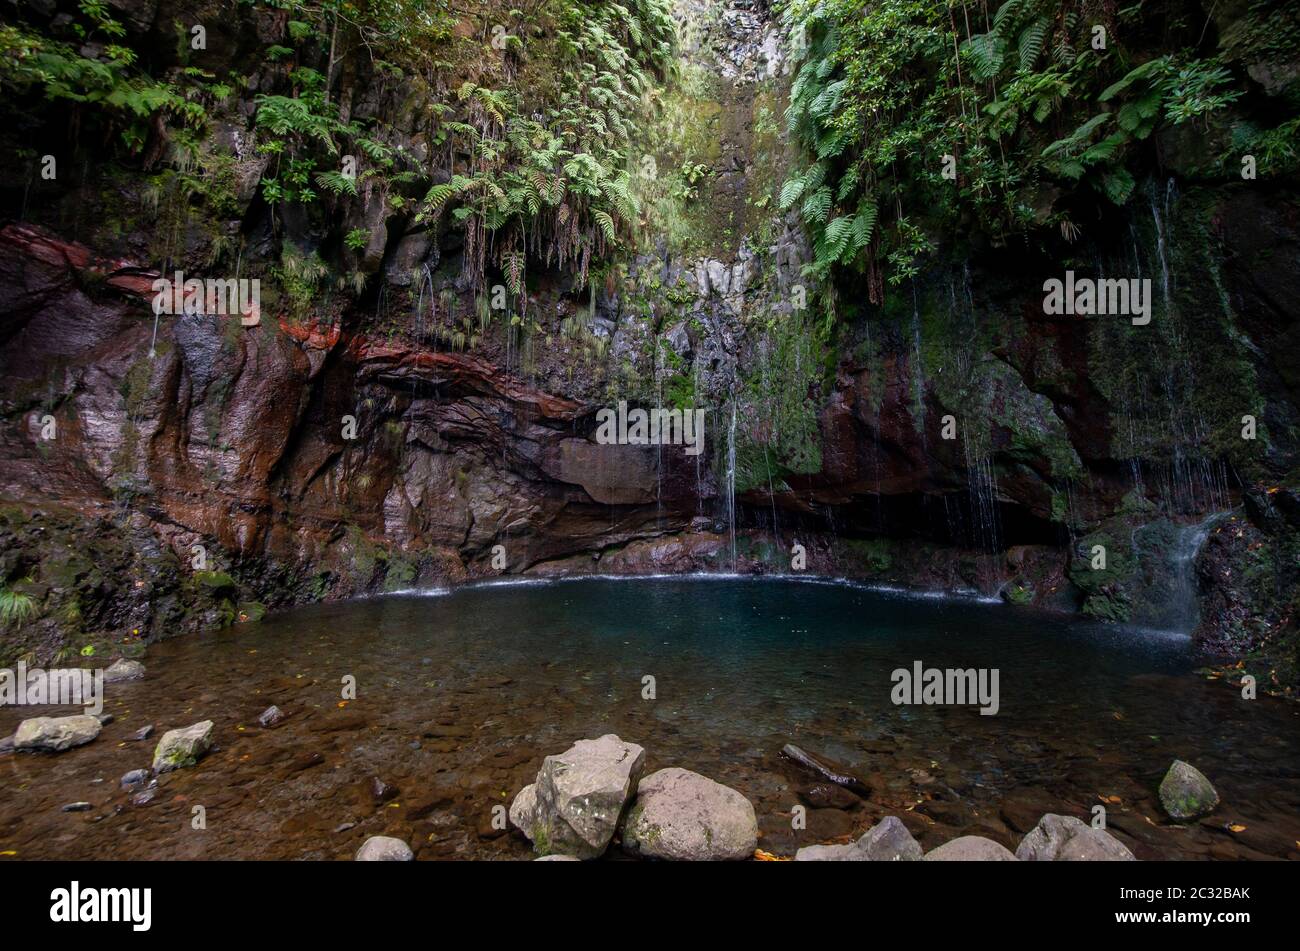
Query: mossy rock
x=215 y=581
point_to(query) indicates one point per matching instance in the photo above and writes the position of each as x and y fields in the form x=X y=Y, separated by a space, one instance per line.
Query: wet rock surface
x=183 y=747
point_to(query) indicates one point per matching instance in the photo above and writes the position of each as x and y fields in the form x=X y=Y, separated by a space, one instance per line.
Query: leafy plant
x=15 y=606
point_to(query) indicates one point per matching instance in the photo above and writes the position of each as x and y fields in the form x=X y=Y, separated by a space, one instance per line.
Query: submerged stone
x=123 y=669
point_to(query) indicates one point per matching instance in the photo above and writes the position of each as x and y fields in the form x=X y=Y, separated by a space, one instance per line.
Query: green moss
x=873 y=554
x=216 y=581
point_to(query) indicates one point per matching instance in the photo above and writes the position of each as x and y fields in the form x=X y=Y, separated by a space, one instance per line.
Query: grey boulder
x=384 y=848
x=970 y=848
x=1067 y=839
x=887 y=841
x=575 y=805
x=56 y=734
x=683 y=816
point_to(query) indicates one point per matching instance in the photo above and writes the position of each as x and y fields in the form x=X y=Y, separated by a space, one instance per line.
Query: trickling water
x=1168 y=600
x=731 y=480
x=1184 y=611
x=918 y=373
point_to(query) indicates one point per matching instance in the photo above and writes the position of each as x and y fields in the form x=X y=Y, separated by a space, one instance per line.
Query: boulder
x=384 y=848
x=183 y=747
x=123 y=669
x=683 y=816
x=574 y=806
x=1067 y=839
x=56 y=734
x=1185 y=793
x=886 y=841
x=970 y=848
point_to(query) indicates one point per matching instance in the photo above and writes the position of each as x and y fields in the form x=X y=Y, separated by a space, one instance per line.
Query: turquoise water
x=459 y=695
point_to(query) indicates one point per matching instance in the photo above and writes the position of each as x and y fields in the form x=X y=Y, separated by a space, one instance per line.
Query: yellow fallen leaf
x=13 y=852
x=761 y=856
x=1236 y=827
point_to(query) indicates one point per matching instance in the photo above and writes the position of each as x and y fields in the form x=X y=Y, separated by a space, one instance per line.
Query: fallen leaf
x=761 y=856
x=1236 y=827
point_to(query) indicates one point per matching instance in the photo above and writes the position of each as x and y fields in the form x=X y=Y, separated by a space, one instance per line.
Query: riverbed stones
x=886 y=841
x=136 y=777
x=56 y=734
x=683 y=816
x=270 y=717
x=828 y=796
x=1185 y=793
x=970 y=848
x=575 y=804
x=384 y=848
x=183 y=747
x=123 y=669
x=1067 y=839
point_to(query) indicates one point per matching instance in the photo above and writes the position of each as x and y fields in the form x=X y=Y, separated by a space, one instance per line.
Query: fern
x=1031 y=43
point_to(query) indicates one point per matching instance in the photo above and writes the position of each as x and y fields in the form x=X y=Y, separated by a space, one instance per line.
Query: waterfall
x=918 y=373
x=1184 y=611
x=1171 y=597
x=731 y=480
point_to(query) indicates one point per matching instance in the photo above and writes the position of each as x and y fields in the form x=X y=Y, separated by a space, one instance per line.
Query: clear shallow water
x=461 y=694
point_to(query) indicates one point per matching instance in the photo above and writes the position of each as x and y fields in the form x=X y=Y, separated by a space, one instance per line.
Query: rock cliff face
x=391 y=430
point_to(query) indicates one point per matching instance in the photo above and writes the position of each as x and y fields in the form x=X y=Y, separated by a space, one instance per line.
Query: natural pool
x=460 y=694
